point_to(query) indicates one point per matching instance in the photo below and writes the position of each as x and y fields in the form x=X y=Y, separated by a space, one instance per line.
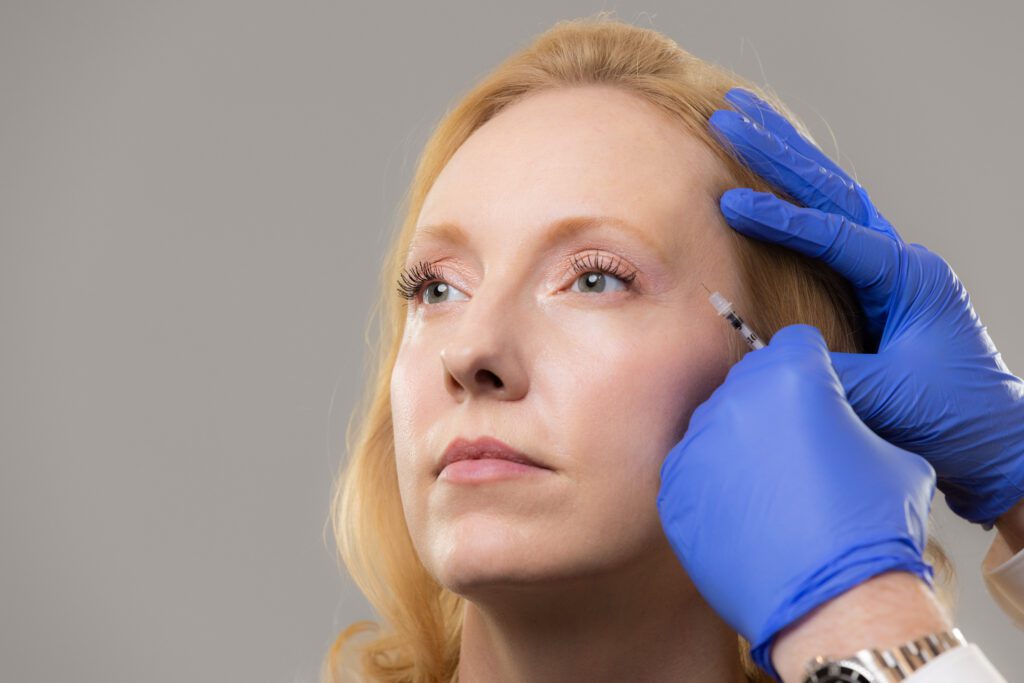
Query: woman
x=572 y=196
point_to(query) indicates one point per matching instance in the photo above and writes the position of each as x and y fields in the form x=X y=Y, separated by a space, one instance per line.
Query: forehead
x=590 y=151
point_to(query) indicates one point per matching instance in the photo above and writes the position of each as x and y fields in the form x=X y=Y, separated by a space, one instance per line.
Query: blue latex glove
x=779 y=498
x=937 y=385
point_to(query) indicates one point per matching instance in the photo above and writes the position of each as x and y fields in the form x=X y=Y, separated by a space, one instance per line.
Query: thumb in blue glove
x=779 y=498
x=937 y=385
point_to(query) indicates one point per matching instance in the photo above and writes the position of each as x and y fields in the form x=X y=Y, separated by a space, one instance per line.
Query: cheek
x=420 y=417
x=415 y=381
x=409 y=425
x=683 y=370
x=401 y=401
x=624 y=400
x=408 y=417
x=632 y=395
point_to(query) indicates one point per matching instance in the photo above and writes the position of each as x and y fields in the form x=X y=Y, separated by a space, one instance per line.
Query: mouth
x=488 y=470
x=483 y=448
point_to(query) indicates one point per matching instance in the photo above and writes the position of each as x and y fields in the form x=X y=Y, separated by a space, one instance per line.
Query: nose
x=484 y=356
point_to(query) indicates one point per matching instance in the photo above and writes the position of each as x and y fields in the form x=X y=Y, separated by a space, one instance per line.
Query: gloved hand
x=779 y=498
x=937 y=386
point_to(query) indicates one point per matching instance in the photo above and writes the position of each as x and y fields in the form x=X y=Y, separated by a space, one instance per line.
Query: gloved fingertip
x=723 y=119
x=728 y=127
x=736 y=203
x=740 y=96
x=798 y=333
x=735 y=94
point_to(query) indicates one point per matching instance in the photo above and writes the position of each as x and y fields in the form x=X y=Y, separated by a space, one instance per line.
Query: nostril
x=487 y=375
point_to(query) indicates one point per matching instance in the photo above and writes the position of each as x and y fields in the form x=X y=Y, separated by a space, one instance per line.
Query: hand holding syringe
x=956 y=404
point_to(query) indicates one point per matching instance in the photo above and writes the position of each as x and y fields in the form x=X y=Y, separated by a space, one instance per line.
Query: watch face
x=840 y=672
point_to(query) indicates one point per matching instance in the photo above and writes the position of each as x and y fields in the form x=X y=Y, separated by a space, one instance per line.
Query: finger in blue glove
x=779 y=498
x=937 y=386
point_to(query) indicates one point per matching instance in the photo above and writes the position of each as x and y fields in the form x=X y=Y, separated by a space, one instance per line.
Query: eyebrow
x=558 y=232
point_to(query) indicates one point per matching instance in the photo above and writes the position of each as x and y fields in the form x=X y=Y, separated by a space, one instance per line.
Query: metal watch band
x=885 y=665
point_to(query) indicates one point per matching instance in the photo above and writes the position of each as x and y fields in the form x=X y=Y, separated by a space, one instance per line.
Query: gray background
x=194 y=198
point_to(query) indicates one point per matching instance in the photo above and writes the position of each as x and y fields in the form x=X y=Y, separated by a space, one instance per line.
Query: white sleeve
x=964 y=663
x=1003 y=573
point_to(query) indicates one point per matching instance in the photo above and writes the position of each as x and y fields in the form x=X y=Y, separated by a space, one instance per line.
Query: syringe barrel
x=725 y=309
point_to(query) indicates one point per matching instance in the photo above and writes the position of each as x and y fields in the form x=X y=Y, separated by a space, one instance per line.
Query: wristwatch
x=883 y=666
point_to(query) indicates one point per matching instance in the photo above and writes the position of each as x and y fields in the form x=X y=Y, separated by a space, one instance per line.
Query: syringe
x=725 y=309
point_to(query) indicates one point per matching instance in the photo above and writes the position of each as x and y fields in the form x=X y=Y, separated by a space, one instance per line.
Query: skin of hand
x=779 y=498
x=936 y=386
x=883 y=612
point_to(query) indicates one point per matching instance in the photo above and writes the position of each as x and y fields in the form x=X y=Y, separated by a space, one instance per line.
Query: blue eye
x=593 y=268
x=596 y=280
x=439 y=288
x=424 y=275
x=595 y=272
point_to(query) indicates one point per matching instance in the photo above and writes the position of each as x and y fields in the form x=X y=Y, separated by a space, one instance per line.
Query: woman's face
x=593 y=377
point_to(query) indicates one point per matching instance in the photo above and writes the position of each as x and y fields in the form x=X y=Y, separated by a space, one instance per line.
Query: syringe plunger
x=724 y=308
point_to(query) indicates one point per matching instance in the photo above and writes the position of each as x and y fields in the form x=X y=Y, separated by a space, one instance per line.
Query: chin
x=476 y=585
x=473 y=568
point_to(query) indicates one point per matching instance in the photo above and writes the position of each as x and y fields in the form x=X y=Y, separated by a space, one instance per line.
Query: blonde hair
x=780 y=287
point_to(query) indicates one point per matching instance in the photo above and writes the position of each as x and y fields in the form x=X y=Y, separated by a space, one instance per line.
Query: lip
x=482 y=447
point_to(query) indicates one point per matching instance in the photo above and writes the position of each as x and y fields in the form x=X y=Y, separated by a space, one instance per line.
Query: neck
x=647 y=622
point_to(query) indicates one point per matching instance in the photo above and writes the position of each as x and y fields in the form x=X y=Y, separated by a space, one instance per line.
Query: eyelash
x=412 y=280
